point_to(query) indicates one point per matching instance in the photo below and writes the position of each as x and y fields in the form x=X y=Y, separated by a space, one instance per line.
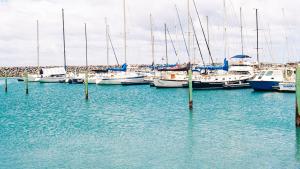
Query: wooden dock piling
x=26 y=82
x=190 y=89
x=297 y=119
x=5 y=86
x=86 y=81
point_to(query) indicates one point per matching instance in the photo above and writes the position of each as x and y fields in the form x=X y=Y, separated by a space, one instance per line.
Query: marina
x=173 y=86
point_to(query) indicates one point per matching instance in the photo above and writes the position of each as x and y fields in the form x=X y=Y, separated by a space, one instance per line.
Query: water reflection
x=298 y=144
x=190 y=139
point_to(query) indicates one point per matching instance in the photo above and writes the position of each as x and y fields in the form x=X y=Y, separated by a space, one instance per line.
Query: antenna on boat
x=38 y=44
x=152 y=39
x=257 y=52
x=206 y=42
x=186 y=47
x=166 y=43
x=64 y=41
x=197 y=41
x=241 y=22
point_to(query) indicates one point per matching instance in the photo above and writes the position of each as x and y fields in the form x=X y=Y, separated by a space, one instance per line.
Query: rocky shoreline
x=19 y=71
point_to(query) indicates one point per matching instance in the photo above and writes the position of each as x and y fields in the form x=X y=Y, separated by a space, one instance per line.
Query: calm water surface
x=142 y=127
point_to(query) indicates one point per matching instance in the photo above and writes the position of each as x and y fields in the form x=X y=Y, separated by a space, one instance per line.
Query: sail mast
x=152 y=39
x=166 y=43
x=64 y=41
x=107 y=42
x=125 y=35
x=206 y=42
x=182 y=33
x=207 y=25
x=38 y=44
x=188 y=18
x=241 y=22
x=257 y=52
x=225 y=29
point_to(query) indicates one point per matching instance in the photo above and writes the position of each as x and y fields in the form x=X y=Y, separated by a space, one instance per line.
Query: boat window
x=261 y=74
x=269 y=73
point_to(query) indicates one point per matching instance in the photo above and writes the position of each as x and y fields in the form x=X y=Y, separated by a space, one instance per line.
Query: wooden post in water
x=297 y=119
x=86 y=64
x=5 y=87
x=190 y=89
x=26 y=82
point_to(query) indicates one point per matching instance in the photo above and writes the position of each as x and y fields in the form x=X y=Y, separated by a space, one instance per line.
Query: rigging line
x=172 y=42
x=187 y=50
x=112 y=46
x=209 y=52
x=197 y=40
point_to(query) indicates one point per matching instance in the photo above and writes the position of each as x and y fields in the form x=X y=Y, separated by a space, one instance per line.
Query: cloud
x=278 y=32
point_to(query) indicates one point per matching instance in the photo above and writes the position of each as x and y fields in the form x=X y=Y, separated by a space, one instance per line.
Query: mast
x=188 y=18
x=64 y=40
x=206 y=42
x=125 y=35
x=166 y=43
x=107 y=42
x=152 y=39
x=186 y=47
x=194 y=32
x=225 y=29
x=241 y=22
x=173 y=45
x=38 y=44
x=257 y=53
x=207 y=25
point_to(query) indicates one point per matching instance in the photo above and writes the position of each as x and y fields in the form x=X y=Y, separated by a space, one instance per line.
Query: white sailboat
x=119 y=76
x=56 y=75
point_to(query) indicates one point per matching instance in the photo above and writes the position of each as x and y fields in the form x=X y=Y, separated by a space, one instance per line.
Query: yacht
x=53 y=75
x=271 y=80
x=225 y=77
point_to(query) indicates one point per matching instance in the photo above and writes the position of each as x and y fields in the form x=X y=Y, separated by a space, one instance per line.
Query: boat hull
x=198 y=85
x=287 y=87
x=264 y=85
x=53 y=80
x=120 y=81
x=160 y=83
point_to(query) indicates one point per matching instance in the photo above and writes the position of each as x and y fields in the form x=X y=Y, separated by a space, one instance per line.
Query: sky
x=278 y=20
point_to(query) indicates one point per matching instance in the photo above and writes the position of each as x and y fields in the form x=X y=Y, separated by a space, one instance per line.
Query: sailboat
x=119 y=75
x=174 y=75
x=58 y=74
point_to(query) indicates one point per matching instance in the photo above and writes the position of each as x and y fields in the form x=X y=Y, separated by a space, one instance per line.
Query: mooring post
x=5 y=87
x=190 y=89
x=297 y=119
x=26 y=82
x=86 y=82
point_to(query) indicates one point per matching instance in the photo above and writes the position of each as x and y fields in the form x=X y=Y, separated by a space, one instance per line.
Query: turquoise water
x=142 y=127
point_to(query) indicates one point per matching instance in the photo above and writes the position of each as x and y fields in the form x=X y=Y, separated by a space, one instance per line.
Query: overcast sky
x=279 y=24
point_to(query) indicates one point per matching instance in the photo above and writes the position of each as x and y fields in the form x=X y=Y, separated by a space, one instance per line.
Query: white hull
x=287 y=87
x=119 y=81
x=52 y=80
x=160 y=83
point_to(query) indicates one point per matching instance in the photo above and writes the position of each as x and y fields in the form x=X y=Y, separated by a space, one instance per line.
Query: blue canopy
x=240 y=57
x=225 y=67
x=122 y=69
